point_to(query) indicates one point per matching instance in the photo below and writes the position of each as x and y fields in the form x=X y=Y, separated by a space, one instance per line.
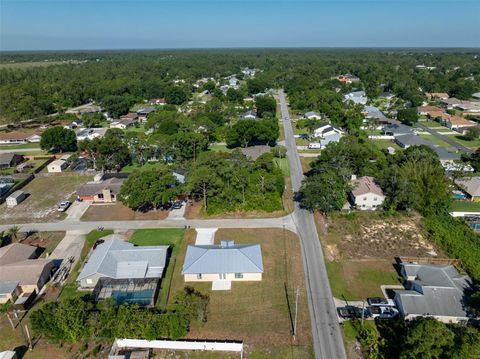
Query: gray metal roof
x=231 y=258
x=470 y=185
x=119 y=259
x=436 y=290
x=8 y=287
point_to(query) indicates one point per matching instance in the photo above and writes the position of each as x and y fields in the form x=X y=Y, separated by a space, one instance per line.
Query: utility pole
x=29 y=339
x=363 y=311
x=297 y=292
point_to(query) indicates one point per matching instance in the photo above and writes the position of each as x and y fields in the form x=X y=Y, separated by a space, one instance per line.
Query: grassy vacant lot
x=172 y=237
x=282 y=163
x=119 y=212
x=384 y=144
x=306 y=163
x=360 y=250
x=44 y=194
x=257 y=312
x=461 y=140
x=135 y=166
x=466 y=206
x=437 y=141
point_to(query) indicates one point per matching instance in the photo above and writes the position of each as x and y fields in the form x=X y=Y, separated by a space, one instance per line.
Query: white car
x=62 y=207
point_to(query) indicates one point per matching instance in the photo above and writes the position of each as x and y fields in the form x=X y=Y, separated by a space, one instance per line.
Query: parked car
x=377 y=301
x=350 y=311
x=62 y=207
x=383 y=312
x=177 y=205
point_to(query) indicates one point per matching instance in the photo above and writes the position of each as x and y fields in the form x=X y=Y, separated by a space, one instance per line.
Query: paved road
x=327 y=337
x=85 y=227
x=451 y=142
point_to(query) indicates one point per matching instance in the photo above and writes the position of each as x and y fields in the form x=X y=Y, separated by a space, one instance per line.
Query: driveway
x=205 y=236
x=177 y=214
x=77 y=209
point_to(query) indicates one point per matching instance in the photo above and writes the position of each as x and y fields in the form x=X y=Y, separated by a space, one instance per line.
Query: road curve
x=326 y=334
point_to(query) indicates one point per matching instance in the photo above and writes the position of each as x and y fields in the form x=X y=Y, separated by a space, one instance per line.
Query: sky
x=142 y=24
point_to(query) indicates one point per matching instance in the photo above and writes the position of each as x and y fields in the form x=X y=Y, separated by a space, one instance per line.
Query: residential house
x=387 y=95
x=437 y=291
x=19 y=263
x=366 y=193
x=312 y=115
x=471 y=187
x=458 y=123
x=225 y=262
x=59 y=165
x=157 y=101
x=406 y=141
x=19 y=137
x=326 y=134
x=396 y=130
x=6 y=182
x=437 y=95
x=90 y=133
x=249 y=115
x=348 y=78
x=254 y=152
x=103 y=191
x=357 y=97
x=179 y=175
x=428 y=110
x=144 y=112
x=374 y=112
x=8 y=160
x=15 y=198
x=249 y=72
x=462 y=105
x=123 y=124
x=117 y=259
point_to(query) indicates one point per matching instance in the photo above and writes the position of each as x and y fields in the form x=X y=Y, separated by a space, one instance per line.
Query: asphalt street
x=327 y=337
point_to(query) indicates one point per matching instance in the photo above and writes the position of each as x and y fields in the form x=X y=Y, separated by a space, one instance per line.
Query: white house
x=366 y=194
x=58 y=165
x=357 y=97
x=312 y=115
x=326 y=134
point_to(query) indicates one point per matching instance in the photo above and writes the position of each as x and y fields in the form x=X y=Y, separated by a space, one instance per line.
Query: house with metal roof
x=326 y=134
x=118 y=259
x=396 y=130
x=312 y=115
x=225 y=262
x=437 y=291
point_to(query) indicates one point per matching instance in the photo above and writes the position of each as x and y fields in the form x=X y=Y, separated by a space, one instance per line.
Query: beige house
x=366 y=194
x=103 y=191
x=18 y=264
x=225 y=262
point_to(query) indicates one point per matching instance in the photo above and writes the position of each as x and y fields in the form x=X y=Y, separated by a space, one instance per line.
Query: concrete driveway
x=77 y=209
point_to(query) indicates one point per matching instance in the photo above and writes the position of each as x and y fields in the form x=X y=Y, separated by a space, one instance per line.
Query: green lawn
x=283 y=164
x=28 y=146
x=466 y=206
x=384 y=144
x=430 y=123
x=461 y=140
x=148 y=165
x=70 y=288
x=357 y=280
x=436 y=141
x=139 y=129
x=161 y=237
x=220 y=148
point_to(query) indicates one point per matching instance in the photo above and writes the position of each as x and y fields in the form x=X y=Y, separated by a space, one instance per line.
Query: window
x=199 y=276
x=100 y=196
x=374 y=198
x=89 y=281
x=238 y=275
x=364 y=198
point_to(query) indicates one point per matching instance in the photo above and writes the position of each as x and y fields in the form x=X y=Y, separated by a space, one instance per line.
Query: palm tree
x=13 y=232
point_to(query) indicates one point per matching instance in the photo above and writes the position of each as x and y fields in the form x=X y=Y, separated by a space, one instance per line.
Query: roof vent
x=227 y=244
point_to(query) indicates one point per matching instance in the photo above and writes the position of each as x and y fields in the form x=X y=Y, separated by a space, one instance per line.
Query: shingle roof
x=442 y=291
x=93 y=188
x=241 y=258
x=16 y=252
x=27 y=272
x=470 y=185
x=119 y=259
x=364 y=185
x=7 y=158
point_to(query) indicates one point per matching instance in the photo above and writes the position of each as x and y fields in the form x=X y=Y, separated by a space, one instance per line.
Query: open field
x=25 y=146
x=148 y=165
x=384 y=144
x=360 y=250
x=25 y=65
x=437 y=141
x=43 y=195
x=257 y=312
x=119 y=212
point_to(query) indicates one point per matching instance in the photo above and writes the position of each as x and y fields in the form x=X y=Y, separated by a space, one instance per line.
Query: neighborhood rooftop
x=225 y=258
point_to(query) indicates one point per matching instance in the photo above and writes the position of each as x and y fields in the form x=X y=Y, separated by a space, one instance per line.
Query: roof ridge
x=240 y=250
x=196 y=260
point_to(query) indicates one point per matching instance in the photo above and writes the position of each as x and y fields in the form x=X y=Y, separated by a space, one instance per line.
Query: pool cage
x=142 y=291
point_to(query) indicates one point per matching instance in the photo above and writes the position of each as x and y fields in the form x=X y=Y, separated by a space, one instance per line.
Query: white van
x=314 y=146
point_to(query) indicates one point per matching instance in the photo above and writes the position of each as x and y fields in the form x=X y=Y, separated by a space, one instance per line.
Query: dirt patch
x=119 y=212
x=370 y=235
x=46 y=240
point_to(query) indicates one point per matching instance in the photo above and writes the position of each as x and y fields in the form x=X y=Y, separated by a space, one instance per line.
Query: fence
x=120 y=345
x=421 y=260
x=381 y=137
